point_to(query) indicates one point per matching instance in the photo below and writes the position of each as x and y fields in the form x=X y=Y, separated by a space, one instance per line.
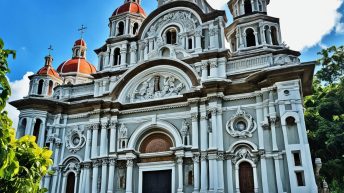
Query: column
x=196 y=173
x=124 y=55
x=204 y=173
x=111 y=178
x=216 y=37
x=133 y=49
x=55 y=167
x=126 y=31
x=204 y=128
x=198 y=35
x=220 y=173
x=104 y=175
x=273 y=118
x=151 y=43
x=219 y=125
x=194 y=118
x=129 y=179
x=86 y=188
x=113 y=137
x=211 y=174
x=103 y=141
x=278 y=174
x=112 y=57
x=237 y=180
x=42 y=129
x=222 y=67
x=204 y=71
x=88 y=143
x=146 y=51
x=95 y=165
x=213 y=68
x=95 y=140
x=64 y=183
x=255 y=179
x=212 y=37
x=230 y=175
x=180 y=174
x=256 y=37
x=214 y=128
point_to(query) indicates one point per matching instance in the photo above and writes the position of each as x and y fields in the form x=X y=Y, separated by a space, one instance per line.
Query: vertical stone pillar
x=220 y=129
x=212 y=36
x=256 y=37
x=212 y=163
x=124 y=55
x=151 y=44
x=95 y=165
x=230 y=175
x=104 y=175
x=204 y=71
x=133 y=49
x=273 y=118
x=180 y=175
x=113 y=137
x=88 y=143
x=103 y=141
x=213 y=68
x=146 y=51
x=198 y=35
x=195 y=130
x=214 y=127
x=112 y=62
x=278 y=173
x=129 y=178
x=95 y=128
x=86 y=188
x=111 y=178
x=204 y=173
x=204 y=128
x=221 y=180
x=196 y=173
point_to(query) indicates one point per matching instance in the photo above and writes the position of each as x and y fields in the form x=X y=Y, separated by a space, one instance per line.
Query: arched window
x=248 y=6
x=250 y=38
x=156 y=142
x=165 y=52
x=190 y=44
x=267 y=34
x=246 y=178
x=274 y=35
x=260 y=6
x=70 y=183
x=171 y=36
x=37 y=128
x=40 y=87
x=50 y=89
x=120 y=28
x=22 y=128
x=117 y=56
x=135 y=28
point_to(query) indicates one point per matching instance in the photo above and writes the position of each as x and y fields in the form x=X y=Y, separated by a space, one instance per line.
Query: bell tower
x=252 y=28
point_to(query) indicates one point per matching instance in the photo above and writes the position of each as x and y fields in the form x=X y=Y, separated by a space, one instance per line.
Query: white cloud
x=303 y=22
x=20 y=88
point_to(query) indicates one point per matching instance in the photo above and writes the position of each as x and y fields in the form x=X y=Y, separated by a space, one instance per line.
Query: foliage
x=22 y=162
x=324 y=117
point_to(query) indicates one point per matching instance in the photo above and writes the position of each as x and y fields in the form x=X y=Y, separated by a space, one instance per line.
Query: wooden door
x=70 y=183
x=246 y=178
x=157 y=182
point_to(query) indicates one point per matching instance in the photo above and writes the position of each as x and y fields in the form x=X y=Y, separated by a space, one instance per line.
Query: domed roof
x=49 y=71
x=80 y=42
x=76 y=65
x=130 y=7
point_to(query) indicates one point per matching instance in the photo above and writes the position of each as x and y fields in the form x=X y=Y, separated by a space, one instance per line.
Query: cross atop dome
x=132 y=1
x=82 y=30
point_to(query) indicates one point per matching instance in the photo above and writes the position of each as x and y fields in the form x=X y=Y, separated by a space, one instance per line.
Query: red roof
x=79 y=65
x=130 y=7
x=80 y=42
x=48 y=70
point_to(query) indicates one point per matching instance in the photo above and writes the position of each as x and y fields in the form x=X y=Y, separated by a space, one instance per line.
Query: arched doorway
x=246 y=178
x=70 y=183
x=156 y=142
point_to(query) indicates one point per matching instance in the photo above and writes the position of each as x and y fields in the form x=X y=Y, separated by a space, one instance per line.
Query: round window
x=241 y=126
x=75 y=140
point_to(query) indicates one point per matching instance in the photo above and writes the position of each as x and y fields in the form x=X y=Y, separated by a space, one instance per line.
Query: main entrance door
x=157 y=182
x=246 y=178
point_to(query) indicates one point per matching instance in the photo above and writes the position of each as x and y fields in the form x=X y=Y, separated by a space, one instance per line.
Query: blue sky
x=31 y=26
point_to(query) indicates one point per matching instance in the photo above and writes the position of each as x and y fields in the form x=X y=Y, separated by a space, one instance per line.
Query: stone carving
x=72 y=166
x=241 y=125
x=244 y=153
x=184 y=18
x=157 y=86
x=75 y=139
x=123 y=132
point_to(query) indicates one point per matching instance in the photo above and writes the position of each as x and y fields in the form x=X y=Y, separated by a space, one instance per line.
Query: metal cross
x=50 y=49
x=82 y=30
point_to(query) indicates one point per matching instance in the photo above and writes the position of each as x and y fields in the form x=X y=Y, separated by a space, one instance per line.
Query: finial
x=82 y=30
x=50 y=49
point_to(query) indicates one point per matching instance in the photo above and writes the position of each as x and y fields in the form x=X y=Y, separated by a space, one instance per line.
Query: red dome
x=130 y=7
x=80 y=42
x=77 y=65
x=48 y=70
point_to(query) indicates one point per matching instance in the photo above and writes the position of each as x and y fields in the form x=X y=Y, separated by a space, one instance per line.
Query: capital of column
x=104 y=125
x=213 y=111
x=204 y=156
x=196 y=158
x=130 y=163
x=104 y=161
x=220 y=156
x=180 y=160
x=113 y=124
x=95 y=163
x=213 y=63
x=112 y=161
x=194 y=117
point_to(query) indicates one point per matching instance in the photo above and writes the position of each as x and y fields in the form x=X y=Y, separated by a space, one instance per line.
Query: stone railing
x=67 y=92
x=249 y=64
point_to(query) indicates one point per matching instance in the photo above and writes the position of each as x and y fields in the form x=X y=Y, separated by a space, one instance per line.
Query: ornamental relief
x=241 y=125
x=75 y=139
x=185 y=18
x=157 y=86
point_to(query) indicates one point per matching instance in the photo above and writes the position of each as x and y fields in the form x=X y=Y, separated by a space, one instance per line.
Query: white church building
x=169 y=108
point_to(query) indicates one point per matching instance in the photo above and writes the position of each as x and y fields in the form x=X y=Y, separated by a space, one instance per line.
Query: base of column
x=204 y=191
x=180 y=191
x=196 y=191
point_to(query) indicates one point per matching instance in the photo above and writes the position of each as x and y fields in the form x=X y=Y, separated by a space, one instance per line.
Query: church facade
x=170 y=108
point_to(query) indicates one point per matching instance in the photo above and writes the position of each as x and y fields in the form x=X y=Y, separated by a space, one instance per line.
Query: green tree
x=325 y=116
x=22 y=162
